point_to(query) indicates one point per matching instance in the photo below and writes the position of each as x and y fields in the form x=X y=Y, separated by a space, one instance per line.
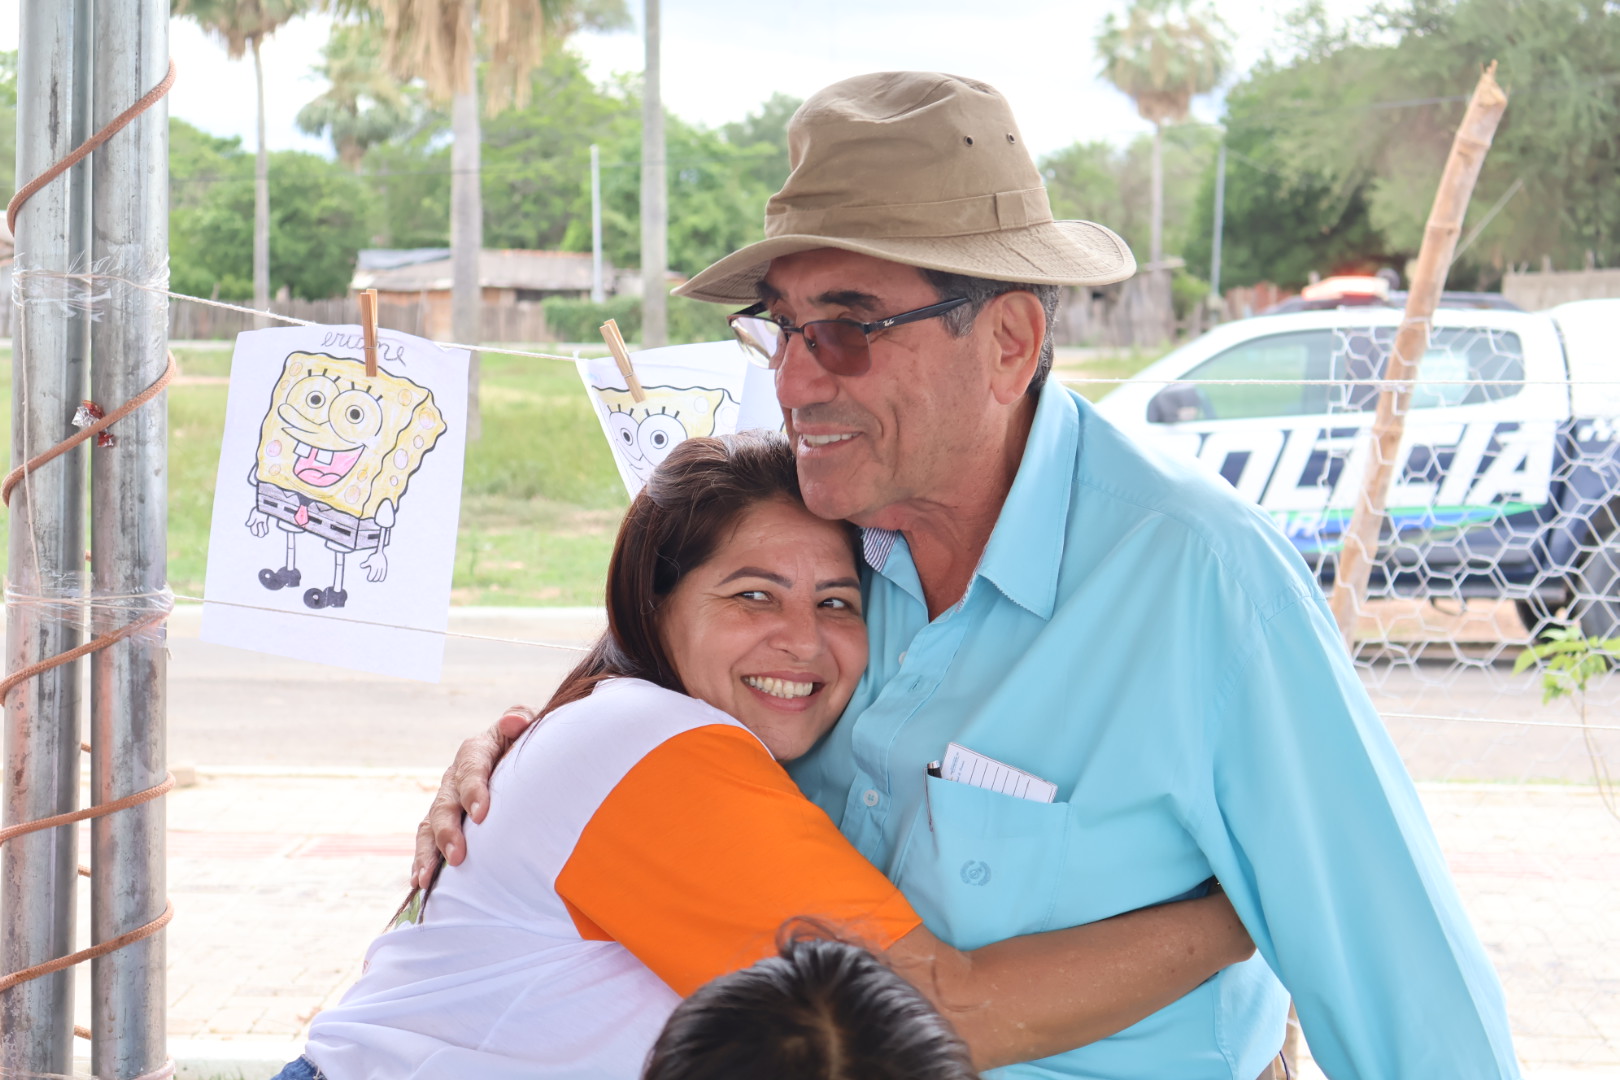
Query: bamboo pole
x=1468 y=152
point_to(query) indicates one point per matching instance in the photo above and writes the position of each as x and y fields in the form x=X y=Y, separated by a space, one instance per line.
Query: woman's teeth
x=781 y=688
x=825 y=440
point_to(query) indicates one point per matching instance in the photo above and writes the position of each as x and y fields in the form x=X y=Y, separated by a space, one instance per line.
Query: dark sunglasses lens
x=761 y=339
x=838 y=346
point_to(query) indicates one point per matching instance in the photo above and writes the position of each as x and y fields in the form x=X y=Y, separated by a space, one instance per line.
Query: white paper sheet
x=704 y=389
x=966 y=766
x=335 y=508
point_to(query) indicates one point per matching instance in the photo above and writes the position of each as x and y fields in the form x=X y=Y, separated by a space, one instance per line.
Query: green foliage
x=1282 y=221
x=1100 y=182
x=1164 y=53
x=581 y=320
x=1569 y=660
x=362 y=104
x=1186 y=292
x=537 y=160
x=1327 y=172
x=408 y=182
x=317 y=219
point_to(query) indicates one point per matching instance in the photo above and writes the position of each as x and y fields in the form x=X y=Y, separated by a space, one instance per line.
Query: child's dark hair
x=821 y=1009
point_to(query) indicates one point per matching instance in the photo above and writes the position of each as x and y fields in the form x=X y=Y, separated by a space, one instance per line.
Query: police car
x=1507 y=484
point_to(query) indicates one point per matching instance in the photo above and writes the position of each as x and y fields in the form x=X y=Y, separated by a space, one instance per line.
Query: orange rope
x=50 y=967
x=33 y=463
x=118 y=123
x=95 y=644
x=101 y=810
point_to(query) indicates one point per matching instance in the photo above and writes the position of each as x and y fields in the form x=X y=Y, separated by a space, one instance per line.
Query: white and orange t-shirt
x=639 y=843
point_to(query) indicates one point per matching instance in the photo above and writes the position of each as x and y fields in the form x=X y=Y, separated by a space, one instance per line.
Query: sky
x=723 y=58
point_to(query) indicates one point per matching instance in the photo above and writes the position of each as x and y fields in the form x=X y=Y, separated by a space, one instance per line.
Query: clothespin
x=368 y=326
x=615 y=344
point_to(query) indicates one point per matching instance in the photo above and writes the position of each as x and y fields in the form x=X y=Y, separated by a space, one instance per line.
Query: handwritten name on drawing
x=386 y=350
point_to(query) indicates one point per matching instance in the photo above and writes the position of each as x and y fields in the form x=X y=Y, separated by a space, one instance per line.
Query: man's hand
x=258 y=522
x=465 y=788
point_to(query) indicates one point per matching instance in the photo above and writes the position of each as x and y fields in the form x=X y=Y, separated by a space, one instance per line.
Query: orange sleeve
x=699 y=855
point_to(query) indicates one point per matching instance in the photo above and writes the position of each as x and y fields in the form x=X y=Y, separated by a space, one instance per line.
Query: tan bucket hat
x=923 y=169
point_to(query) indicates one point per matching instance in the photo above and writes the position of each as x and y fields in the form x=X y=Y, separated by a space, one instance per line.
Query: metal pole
x=1220 y=222
x=128 y=532
x=654 y=197
x=38 y=873
x=467 y=230
x=598 y=293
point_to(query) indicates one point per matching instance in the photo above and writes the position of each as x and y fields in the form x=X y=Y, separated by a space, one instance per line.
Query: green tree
x=1162 y=54
x=436 y=41
x=537 y=158
x=242 y=26
x=1352 y=134
x=716 y=202
x=1112 y=185
x=1282 y=221
x=363 y=104
x=317 y=225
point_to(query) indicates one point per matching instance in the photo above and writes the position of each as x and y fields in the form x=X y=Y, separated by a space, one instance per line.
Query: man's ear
x=1017 y=325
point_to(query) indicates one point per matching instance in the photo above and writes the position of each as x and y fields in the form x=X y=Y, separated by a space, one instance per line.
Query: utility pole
x=38 y=872
x=1220 y=223
x=467 y=232
x=129 y=541
x=654 y=197
x=598 y=291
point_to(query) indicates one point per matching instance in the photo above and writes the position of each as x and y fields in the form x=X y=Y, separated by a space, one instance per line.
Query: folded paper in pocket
x=965 y=766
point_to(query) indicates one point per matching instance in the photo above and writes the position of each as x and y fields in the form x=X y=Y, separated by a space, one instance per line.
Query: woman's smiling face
x=769 y=629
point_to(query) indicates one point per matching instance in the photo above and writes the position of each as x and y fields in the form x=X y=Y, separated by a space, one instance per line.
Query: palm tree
x=436 y=40
x=242 y=25
x=1162 y=54
x=363 y=103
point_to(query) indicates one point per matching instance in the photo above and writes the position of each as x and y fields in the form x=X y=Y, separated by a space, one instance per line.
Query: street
x=233 y=708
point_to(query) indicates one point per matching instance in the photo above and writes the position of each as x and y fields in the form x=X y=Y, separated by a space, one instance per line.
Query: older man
x=1048 y=595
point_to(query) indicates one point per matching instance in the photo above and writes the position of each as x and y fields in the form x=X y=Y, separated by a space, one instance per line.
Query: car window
x=1283 y=360
x=1463 y=366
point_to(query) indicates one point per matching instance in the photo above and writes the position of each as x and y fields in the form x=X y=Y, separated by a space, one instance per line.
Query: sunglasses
x=841 y=346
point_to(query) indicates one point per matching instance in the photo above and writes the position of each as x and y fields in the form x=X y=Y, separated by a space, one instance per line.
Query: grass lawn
x=541 y=499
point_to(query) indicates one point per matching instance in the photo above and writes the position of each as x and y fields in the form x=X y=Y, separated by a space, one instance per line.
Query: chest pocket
x=980 y=866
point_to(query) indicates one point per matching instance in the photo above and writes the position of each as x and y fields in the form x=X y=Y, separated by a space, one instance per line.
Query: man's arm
x=464 y=791
x=1031 y=997
x=1317 y=834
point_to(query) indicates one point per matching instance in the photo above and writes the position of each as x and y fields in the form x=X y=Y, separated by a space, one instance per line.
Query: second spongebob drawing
x=336 y=452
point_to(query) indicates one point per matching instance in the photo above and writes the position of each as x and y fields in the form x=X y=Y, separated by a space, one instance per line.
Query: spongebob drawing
x=643 y=433
x=336 y=452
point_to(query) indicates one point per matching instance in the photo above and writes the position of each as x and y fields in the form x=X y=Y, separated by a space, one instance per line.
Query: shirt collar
x=1026 y=545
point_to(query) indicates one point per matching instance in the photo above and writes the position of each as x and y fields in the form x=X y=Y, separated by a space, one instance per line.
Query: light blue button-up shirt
x=1142 y=638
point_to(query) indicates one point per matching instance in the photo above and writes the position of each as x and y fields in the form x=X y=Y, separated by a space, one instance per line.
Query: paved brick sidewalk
x=280 y=881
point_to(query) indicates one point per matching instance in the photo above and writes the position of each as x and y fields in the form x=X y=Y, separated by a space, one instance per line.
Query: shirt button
x=902 y=658
x=870 y=798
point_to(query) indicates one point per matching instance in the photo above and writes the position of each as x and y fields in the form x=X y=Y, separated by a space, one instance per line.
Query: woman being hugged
x=644 y=840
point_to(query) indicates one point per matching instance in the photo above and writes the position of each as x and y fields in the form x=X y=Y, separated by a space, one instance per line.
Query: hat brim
x=1053 y=253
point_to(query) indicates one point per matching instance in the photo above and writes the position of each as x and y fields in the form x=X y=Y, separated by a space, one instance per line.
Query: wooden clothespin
x=368 y=326
x=615 y=344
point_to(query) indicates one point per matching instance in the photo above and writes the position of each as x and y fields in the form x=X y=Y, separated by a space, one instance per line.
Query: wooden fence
x=1549 y=288
x=1136 y=313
